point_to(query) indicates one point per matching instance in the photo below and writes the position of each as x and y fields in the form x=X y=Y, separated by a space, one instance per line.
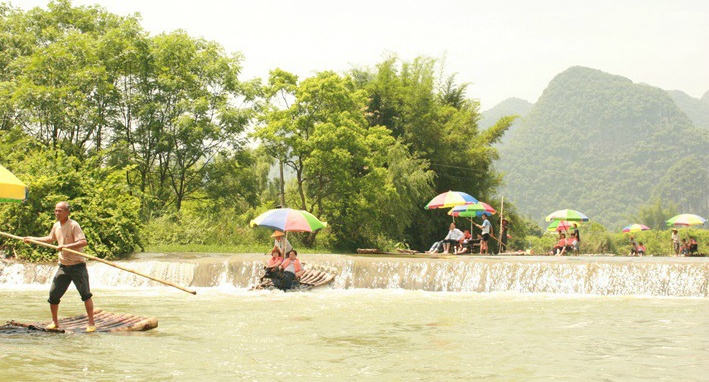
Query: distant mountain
x=510 y=106
x=603 y=145
x=696 y=109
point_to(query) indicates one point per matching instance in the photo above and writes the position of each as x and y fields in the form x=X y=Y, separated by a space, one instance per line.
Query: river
x=383 y=319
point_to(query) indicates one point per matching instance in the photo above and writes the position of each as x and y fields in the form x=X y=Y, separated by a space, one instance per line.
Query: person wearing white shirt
x=454 y=236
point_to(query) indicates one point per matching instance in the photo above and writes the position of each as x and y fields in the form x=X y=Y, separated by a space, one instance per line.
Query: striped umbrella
x=559 y=225
x=472 y=210
x=11 y=188
x=568 y=215
x=450 y=199
x=686 y=220
x=288 y=220
x=636 y=228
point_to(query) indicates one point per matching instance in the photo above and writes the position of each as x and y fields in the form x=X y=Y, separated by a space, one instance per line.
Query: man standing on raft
x=72 y=268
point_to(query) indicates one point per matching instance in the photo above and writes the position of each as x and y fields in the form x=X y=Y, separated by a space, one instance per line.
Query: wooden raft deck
x=311 y=278
x=105 y=322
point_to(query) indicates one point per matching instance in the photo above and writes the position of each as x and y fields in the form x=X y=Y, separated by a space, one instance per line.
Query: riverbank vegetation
x=160 y=145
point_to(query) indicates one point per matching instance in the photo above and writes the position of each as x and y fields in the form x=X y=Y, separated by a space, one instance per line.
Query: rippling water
x=226 y=333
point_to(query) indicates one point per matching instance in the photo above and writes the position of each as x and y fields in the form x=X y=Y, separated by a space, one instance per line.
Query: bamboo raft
x=376 y=251
x=105 y=322
x=311 y=278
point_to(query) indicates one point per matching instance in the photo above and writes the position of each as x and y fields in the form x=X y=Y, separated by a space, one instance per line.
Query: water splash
x=678 y=277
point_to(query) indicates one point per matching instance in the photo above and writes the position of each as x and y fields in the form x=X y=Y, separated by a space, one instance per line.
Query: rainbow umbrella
x=568 y=215
x=686 y=220
x=11 y=188
x=559 y=225
x=288 y=220
x=636 y=228
x=472 y=210
x=450 y=199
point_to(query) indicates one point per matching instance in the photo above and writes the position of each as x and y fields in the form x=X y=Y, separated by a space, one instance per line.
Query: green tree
x=356 y=176
x=102 y=202
x=435 y=121
x=656 y=213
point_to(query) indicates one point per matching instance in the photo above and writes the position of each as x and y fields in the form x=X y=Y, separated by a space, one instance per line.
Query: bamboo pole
x=502 y=216
x=100 y=260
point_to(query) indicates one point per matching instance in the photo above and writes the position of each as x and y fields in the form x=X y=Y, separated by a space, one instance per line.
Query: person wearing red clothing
x=641 y=249
x=291 y=269
x=559 y=247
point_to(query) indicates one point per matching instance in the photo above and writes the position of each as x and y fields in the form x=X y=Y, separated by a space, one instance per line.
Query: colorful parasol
x=636 y=228
x=11 y=188
x=288 y=220
x=472 y=210
x=450 y=199
x=686 y=220
x=568 y=215
x=559 y=225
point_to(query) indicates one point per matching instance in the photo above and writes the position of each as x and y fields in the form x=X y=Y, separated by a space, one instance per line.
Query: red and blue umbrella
x=450 y=199
x=288 y=220
x=636 y=228
x=472 y=210
x=686 y=220
x=568 y=215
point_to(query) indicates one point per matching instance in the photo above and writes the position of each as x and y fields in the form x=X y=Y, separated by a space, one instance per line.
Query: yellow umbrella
x=11 y=188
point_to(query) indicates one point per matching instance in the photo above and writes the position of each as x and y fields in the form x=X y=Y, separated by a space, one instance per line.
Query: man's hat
x=277 y=234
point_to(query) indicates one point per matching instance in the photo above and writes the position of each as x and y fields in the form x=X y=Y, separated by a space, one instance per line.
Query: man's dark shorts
x=486 y=237
x=66 y=275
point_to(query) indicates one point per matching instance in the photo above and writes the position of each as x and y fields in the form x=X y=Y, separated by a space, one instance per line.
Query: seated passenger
x=684 y=248
x=633 y=247
x=460 y=248
x=436 y=247
x=560 y=245
x=576 y=243
x=453 y=237
x=470 y=244
x=641 y=249
x=291 y=269
x=569 y=244
x=272 y=267
x=693 y=246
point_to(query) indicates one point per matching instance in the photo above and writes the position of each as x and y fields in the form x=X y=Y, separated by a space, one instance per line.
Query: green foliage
x=135 y=128
x=359 y=178
x=102 y=203
x=438 y=125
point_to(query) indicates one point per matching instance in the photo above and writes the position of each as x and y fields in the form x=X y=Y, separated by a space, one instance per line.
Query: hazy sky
x=504 y=49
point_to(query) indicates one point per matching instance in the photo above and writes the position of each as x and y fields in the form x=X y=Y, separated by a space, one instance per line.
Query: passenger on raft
x=641 y=249
x=291 y=269
x=273 y=263
x=281 y=242
x=560 y=246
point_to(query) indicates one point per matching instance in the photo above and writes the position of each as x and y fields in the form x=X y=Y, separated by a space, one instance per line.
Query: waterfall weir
x=647 y=276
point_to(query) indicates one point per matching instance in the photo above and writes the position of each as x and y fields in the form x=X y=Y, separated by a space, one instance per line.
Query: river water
x=384 y=319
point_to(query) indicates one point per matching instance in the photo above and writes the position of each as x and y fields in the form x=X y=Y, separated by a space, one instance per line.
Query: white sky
x=503 y=48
